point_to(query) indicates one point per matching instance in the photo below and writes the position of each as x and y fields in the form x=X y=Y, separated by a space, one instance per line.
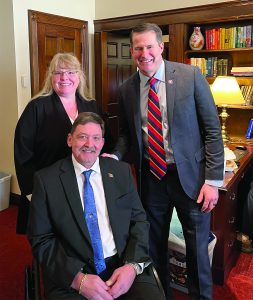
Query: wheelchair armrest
x=158 y=281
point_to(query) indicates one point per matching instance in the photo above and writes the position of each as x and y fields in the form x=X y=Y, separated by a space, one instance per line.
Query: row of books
x=210 y=67
x=226 y=38
x=242 y=71
x=247 y=92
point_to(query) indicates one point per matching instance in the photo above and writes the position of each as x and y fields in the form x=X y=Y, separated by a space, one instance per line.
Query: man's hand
x=109 y=155
x=95 y=288
x=121 y=280
x=209 y=196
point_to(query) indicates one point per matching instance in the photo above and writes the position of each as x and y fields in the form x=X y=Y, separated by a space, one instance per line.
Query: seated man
x=87 y=226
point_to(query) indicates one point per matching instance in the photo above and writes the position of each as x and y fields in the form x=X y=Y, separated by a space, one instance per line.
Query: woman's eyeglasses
x=69 y=73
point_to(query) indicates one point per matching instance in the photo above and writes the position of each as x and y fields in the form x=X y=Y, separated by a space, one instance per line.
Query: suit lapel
x=170 y=81
x=70 y=186
x=111 y=194
x=136 y=112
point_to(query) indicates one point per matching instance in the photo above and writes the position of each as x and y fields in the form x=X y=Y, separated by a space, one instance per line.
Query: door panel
x=50 y=34
x=113 y=77
x=117 y=66
x=53 y=39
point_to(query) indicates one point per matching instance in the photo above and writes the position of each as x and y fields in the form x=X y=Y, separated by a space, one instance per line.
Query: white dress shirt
x=109 y=247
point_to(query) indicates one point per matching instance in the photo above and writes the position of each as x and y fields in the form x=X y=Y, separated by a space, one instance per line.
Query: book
x=215 y=59
x=243 y=74
x=244 y=37
x=239 y=33
x=250 y=129
x=242 y=69
x=219 y=66
x=248 y=36
x=209 y=67
x=227 y=38
x=207 y=36
x=251 y=35
x=224 y=67
x=222 y=43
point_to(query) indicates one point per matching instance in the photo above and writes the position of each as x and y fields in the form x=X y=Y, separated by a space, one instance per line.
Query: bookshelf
x=233 y=56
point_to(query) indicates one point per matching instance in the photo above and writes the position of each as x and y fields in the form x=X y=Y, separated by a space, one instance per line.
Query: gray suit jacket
x=194 y=126
x=57 y=230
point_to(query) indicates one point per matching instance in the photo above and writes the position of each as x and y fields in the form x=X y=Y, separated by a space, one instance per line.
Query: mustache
x=92 y=149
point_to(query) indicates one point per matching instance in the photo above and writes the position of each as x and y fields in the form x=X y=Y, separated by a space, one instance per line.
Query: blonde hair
x=64 y=61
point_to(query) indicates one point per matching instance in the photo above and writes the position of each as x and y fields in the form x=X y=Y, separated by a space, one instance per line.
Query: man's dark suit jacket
x=57 y=230
x=194 y=127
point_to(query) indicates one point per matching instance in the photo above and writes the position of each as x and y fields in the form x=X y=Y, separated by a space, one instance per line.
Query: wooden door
x=50 y=34
x=114 y=65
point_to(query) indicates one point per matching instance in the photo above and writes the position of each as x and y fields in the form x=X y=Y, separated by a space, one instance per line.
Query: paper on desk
x=229 y=156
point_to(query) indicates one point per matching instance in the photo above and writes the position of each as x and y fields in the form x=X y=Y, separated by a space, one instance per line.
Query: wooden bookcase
x=239 y=116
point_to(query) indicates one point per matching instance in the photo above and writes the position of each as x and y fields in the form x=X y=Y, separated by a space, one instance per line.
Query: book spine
x=209 y=68
x=226 y=43
x=224 y=67
x=215 y=66
x=219 y=66
x=238 y=37
x=251 y=35
x=248 y=36
x=250 y=129
x=207 y=34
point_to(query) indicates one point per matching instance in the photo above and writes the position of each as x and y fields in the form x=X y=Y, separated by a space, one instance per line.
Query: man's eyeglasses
x=69 y=73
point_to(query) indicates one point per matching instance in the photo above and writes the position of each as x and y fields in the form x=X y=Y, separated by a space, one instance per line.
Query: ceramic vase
x=196 y=40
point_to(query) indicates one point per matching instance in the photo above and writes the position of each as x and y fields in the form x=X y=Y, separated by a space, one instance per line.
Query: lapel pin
x=170 y=81
x=110 y=175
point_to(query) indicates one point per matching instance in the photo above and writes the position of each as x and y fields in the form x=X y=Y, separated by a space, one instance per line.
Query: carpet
x=240 y=280
x=15 y=255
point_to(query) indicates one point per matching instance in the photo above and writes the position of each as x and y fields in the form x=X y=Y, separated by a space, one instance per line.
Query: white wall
x=8 y=87
x=116 y=8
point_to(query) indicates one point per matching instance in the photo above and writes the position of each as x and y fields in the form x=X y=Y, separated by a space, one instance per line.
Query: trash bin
x=5 y=180
x=176 y=254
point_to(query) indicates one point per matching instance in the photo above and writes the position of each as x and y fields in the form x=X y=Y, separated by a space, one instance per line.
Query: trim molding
x=232 y=10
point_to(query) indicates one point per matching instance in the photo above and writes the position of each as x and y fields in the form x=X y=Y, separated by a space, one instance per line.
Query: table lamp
x=226 y=92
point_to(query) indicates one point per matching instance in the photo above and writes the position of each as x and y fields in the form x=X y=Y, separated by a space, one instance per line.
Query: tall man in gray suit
x=61 y=237
x=194 y=153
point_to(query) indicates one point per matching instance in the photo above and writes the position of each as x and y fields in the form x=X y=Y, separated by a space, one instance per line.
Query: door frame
x=101 y=77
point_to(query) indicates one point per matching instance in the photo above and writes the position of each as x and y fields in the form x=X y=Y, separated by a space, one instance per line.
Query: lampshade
x=226 y=90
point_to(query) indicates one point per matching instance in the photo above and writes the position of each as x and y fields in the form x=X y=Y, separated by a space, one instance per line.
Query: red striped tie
x=156 y=150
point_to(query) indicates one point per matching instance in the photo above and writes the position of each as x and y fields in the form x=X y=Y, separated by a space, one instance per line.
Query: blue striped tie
x=90 y=215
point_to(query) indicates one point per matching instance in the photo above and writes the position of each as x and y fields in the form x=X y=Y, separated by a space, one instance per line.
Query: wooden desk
x=225 y=218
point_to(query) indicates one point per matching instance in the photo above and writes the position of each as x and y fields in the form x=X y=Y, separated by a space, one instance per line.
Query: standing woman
x=41 y=132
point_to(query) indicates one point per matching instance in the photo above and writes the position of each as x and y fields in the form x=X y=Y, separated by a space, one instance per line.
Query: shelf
x=237 y=106
x=240 y=140
x=219 y=50
x=241 y=80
